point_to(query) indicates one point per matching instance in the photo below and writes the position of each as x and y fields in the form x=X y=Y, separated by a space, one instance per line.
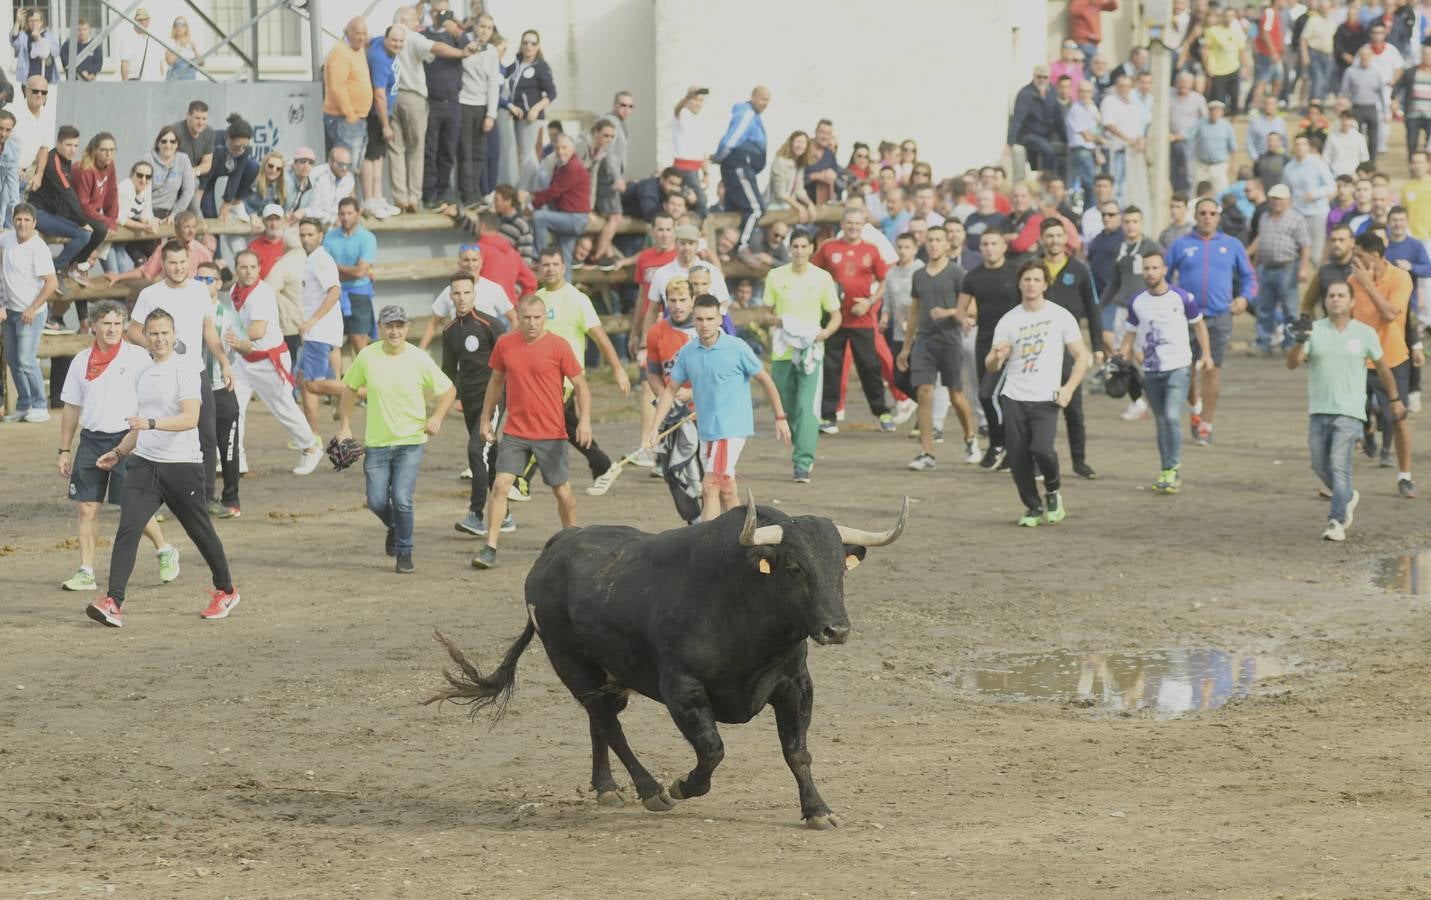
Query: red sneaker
x=220 y=605
x=106 y=612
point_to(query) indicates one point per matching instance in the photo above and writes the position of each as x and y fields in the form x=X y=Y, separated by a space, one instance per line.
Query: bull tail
x=470 y=687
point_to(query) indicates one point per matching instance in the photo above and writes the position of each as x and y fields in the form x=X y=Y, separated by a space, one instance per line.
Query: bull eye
x=793 y=568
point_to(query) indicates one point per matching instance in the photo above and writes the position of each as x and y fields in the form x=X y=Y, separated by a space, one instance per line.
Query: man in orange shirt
x=1381 y=295
x=348 y=90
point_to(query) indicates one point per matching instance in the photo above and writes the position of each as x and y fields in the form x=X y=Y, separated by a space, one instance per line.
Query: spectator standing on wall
x=410 y=111
x=1085 y=24
x=182 y=65
x=140 y=56
x=86 y=69
x=36 y=50
x=347 y=91
x=479 y=98
x=741 y=156
x=531 y=90
x=444 y=114
x=382 y=70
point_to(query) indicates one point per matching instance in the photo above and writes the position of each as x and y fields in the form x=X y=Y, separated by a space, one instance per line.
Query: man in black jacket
x=466 y=349
x=1037 y=124
x=1071 y=286
x=444 y=112
x=58 y=214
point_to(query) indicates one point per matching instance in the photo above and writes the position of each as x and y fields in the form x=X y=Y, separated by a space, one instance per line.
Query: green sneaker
x=83 y=580
x=1031 y=518
x=1171 y=481
x=168 y=564
x=1055 y=509
x=886 y=423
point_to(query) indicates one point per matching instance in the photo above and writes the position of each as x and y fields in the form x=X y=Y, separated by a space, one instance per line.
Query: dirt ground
x=283 y=752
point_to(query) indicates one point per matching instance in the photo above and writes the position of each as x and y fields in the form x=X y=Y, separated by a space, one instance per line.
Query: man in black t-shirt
x=993 y=289
x=466 y=350
x=1071 y=286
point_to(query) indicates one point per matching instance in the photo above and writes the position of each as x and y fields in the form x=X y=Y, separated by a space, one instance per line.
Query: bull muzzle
x=832 y=634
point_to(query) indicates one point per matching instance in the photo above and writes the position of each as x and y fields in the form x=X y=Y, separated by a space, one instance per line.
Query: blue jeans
x=1165 y=392
x=1319 y=75
x=75 y=237
x=1118 y=168
x=1081 y=170
x=391 y=474
x=338 y=133
x=1332 y=440
x=1276 y=291
x=563 y=227
x=22 y=344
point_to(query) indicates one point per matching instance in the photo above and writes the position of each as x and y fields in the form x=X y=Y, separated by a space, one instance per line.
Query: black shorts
x=88 y=482
x=937 y=359
x=377 y=146
x=1401 y=377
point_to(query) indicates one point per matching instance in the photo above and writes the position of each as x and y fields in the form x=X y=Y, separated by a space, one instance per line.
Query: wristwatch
x=152 y=426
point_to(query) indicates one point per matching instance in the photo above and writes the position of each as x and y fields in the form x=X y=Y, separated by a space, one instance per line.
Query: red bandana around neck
x=99 y=360
x=239 y=294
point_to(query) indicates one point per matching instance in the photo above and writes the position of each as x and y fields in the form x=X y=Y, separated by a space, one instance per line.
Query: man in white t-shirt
x=1029 y=344
x=688 y=242
x=140 y=56
x=27 y=276
x=163 y=439
x=187 y=302
x=99 y=394
x=263 y=365
x=34 y=131
x=491 y=299
x=322 y=327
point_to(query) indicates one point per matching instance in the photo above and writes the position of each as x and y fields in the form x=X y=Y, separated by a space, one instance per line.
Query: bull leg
x=691 y=710
x=793 y=703
x=607 y=791
x=603 y=710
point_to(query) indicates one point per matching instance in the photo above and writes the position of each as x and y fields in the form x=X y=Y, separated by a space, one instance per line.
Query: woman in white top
x=167 y=468
x=136 y=212
x=184 y=65
x=787 y=176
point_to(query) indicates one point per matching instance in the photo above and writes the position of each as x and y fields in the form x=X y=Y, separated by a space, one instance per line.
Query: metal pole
x=162 y=43
x=315 y=37
x=104 y=33
x=1158 y=133
x=253 y=36
x=275 y=5
x=73 y=9
x=243 y=57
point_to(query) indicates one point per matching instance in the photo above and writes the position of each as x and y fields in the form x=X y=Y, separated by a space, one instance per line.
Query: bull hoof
x=675 y=790
x=610 y=798
x=822 y=823
x=661 y=802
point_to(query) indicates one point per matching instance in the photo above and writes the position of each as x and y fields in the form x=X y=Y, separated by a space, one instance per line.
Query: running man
x=397 y=377
x=467 y=343
x=322 y=327
x=992 y=289
x=1337 y=350
x=860 y=271
x=226 y=409
x=1072 y=288
x=1160 y=320
x=530 y=367
x=678 y=455
x=1029 y=345
x=1381 y=297
x=719 y=368
x=98 y=394
x=490 y=299
x=168 y=468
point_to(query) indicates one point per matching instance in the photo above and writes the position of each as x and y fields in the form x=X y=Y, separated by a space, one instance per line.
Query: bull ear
x=851 y=561
x=854 y=555
x=763 y=566
x=762 y=559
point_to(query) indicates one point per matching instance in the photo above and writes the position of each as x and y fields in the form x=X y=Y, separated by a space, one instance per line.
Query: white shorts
x=718 y=458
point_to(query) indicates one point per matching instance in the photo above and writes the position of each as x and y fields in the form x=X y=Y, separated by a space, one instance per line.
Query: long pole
x=1158 y=133
x=73 y=6
x=315 y=37
x=253 y=36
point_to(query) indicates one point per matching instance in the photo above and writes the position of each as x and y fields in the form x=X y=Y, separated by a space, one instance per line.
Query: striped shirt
x=1281 y=238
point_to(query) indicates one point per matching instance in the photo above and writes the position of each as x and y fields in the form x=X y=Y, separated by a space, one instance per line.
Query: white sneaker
x=604 y=482
x=13 y=417
x=903 y=410
x=839 y=415
x=922 y=463
x=1351 y=509
x=37 y=414
x=1335 y=531
x=1136 y=410
x=645 y=458
x=1413 y=402
x=465 y=474
x=971 y=451
x=308 y=461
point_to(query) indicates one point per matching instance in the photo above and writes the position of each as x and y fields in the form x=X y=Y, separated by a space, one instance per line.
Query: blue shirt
x=1213 y=270
x=1213 y=142
x=719 y=377
x=1414 y=252
x=348 y=250
x=1309 y=175
x=382 y=70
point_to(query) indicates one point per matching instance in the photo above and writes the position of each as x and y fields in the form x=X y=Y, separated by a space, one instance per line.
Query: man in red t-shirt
x=1268 y=72
x=859 y=270
x=661 y=251
x=530 y=366
x=269 y=247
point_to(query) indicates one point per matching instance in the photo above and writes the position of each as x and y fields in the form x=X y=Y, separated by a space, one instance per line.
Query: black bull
x=710 y=620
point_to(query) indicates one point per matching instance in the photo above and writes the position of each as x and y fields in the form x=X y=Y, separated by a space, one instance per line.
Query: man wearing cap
x=1282 y=253
x=141 y=57
x=397 y=378
x=688 y=243
x=270 y=246
x=1037 y=122
x=1213 y=143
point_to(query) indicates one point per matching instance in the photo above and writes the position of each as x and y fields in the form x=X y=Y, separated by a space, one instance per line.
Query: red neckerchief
x=240 y=294
x=99 y=360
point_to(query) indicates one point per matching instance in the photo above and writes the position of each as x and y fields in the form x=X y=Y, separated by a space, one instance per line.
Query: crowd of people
x=993 y=298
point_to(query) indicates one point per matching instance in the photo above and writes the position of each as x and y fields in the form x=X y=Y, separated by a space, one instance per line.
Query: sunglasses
x=1110 y=215
x=303 y=162
x=626 y=106
x=168 y=140
x=144 y=176
x=205 y=279
x=40 y=92
x=338 y=164
x=529 y=43
x=274 y=167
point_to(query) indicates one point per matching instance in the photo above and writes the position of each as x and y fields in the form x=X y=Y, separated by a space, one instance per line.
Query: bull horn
x=765 y=535
x=857 y=538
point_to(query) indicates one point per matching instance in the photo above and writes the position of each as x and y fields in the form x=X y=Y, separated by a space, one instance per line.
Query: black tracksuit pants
x=861 y=342
x=481 y=456
x=230 y=443
x=179 y=486
x=1029 y=431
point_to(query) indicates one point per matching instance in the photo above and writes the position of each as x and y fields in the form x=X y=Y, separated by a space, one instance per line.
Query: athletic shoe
x=971 y=451
x=520 y=491
x=1136 y=410
x=840 y=414
x=1351 y=509
x=1386 y=461
x=922 y=463
x=83 y=580
x=886 y=423
x=604 y=481
x=645 y=458
x=1168 y=481
x=1368 y=444
x=227 y=512
x=465 y=474
x=215 y=508
x=1031 y=518
x=992 y=457
x=472 y=524
x=1204 y=434
x=404 y=564
x=1406 y=489
x=37 y=414
x=903 y=410
x=1334 y=531
x=828 y=426
x=1084 y=470
x=220 y=605
x=914 y=433
x=17 y=416
x=1413 y=402
x=78 y=277
x=1003 y=464
x=1195 y=424
x=802 y=476
x=307 y=462
x=486 y=558
x=168 y=564
x=939 y=435
x=656 y=472
x=106 y=612
x=1056 y=510
x=390 y=543
x=509 y=524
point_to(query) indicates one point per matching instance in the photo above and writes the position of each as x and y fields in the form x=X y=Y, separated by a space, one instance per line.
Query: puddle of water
x=1409 y=573
x=1171 y=682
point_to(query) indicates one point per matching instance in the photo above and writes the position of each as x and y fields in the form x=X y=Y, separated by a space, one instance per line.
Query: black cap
x=442 y=17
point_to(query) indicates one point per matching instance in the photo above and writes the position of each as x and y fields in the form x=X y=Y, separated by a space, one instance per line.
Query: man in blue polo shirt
x=382 y=59
x=1213 y=267
x=354 y=249
x=719 y=368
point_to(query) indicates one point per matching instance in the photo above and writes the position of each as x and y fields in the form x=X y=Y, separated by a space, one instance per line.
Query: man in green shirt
x=798 y=296
x=1337 y=349
x=398 y=378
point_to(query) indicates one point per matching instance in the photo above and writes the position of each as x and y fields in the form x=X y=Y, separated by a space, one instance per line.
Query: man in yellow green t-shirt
x=1223 y=47
x=800 y=295
x=398 y=378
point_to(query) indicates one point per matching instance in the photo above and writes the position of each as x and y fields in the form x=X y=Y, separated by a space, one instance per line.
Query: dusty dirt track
x=283 y=752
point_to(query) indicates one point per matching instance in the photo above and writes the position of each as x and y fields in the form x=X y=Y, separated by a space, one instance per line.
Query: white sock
x=164 y=549
x=1197 y=408
x=1403 y=476
x=89 y=570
